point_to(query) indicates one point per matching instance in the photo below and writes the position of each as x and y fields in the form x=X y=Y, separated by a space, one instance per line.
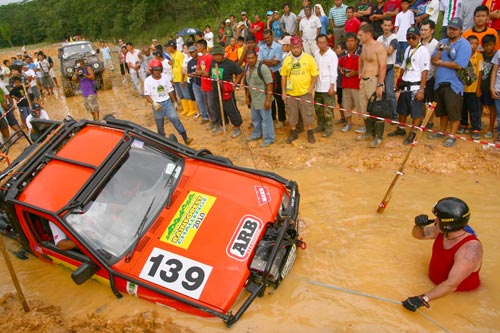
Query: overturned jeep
x=69 y=53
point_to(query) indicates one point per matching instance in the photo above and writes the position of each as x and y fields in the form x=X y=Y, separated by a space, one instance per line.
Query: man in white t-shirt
x=411 y=100
x=426 y=39
x=159 y=92
x=404 y=20
x=390 y=42
x=134 y=62
x=36 y=113
x=310 y=28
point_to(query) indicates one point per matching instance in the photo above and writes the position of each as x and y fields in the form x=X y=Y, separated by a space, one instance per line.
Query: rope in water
x=329 y=286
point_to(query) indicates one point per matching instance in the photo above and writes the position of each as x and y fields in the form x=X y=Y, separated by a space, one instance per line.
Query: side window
x=39 y=227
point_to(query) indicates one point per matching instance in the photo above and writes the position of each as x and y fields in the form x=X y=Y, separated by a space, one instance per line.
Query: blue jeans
x=182 y=92
x=262 y=121
x=389 y=88
x=167 y=110
x=497 y=106
x=199 y=100
x=24 y=110
x=400 y=52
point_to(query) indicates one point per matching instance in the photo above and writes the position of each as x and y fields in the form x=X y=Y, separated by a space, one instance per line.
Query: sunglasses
x=411 y=37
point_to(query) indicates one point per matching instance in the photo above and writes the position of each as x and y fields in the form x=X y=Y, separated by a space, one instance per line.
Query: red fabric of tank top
x=442 y=261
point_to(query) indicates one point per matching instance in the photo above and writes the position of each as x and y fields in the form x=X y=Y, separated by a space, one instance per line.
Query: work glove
x=422 y=220
x=157 y=106
x=413 y=303
x=176 y=105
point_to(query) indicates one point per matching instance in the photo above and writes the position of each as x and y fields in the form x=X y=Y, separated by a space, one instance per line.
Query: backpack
x=467 y=74
x=259 y=72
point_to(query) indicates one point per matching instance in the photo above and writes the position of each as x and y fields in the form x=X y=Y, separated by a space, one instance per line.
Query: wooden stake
x=13 y=276
x=220 y=99
x=387 y=197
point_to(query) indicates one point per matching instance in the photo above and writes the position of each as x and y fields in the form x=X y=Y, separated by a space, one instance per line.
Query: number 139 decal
x=177 y=273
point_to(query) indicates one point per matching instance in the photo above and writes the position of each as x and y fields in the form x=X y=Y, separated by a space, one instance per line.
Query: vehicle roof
x=75 y=43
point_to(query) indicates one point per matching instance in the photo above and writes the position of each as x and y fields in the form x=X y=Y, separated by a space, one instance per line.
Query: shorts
x=52 y=73
x=3 y=124
x=429 y=93
x=449 y=104
x=408 y=105
x=486 y=98
x=350 y=100
x=295 y=104
x=90 y=103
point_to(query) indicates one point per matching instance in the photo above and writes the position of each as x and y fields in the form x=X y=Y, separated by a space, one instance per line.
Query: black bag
x=380 y=108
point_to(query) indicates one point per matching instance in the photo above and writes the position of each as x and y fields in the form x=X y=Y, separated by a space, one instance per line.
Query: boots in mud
x=293 y=136
x=369 y=131
x=410 y=138
x=310 y=136
x=379 y=133
x=187 y=140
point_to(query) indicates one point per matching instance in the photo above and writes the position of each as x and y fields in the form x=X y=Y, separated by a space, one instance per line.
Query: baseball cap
x=243 y=13
x=36 y=106
x=269 y=13
x=456 y=23
x=240 y=24
x=157 y=53
x=228 y=21
x=192 y=48
x=413 y=31
x=155 y=40
x=217 y=49
x=171 y=43
x=285 y=40
x=295 y=41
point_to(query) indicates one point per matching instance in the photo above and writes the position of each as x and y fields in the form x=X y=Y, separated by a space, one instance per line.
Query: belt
x=368 y=78
x=339 y=26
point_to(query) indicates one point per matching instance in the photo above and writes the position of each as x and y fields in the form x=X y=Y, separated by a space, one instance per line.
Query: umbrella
x=188 y=31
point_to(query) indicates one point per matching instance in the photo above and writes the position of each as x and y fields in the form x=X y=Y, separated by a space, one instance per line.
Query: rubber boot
x=379 y=133
x=310 y=136
x=369 y=129
x=191 y=107
x=409 y=139
x=293 y=136
x=187 y=140
x=185 y=108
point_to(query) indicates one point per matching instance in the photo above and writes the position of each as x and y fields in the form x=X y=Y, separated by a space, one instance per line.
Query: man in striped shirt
x=338 y=16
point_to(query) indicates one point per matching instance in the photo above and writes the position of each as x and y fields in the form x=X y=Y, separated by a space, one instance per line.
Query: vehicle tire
x=107 y=83
x=99 y=84
x=68 y=88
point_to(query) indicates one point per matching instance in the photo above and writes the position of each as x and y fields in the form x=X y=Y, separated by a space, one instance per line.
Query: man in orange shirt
x=232 y=50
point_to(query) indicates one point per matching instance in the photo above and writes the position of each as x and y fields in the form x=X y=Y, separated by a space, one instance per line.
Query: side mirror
x=84 y=272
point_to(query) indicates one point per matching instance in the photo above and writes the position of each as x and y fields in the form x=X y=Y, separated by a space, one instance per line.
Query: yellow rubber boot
x=193 y=109
x=185 y=108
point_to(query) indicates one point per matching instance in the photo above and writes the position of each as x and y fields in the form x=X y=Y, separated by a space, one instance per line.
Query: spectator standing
x=480 y=28
x=377 y=17
x=404 y=20
x=452 y=53
x=430 y=43
x=36 y=113
x=323 y=19
x=257 y=29
x=495 y=91
x=390 y=42
x=469 y=11
x=451 y=9
x=134 y=61
x=44 y=69
x=426 y=10
x=106 y=56
x=176 y=61
x=362 y=10
x=234 y=26
x=489 y=42
x=310 y=28
x=338 y=16
x=122 y=54
x=203 y=71
x=494 y=19
x=324 y=96
x=299 y=74
x=288 y=21
x=271 y=55
x=208 y=35
x=472 y=107
x=352 y=23
x=179 y=41
x=195 y=83
x=349 y=69
x=392 y=8
x=232 y=50
x=276 y=26
x=85 y=76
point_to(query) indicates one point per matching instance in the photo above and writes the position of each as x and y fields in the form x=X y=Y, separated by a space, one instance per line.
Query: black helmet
x=453 y=214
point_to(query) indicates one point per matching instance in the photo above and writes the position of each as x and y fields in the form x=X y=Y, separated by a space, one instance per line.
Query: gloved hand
x=422 y=220
x=176 y=105
x=157 y=106
x=413 y=303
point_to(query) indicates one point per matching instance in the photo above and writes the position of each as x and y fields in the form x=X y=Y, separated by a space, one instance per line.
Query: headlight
x=96 y=65
x=92 y=52
x=285 y=203
x=65 y=56
x=69 y=69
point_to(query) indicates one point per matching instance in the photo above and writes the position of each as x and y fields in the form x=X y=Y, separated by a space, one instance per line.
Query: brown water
x=350 y=248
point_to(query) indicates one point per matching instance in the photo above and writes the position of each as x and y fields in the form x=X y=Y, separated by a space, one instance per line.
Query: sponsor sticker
x=244 y=238
x=188 y=219
x=263 y=195
x=175 y=272
x=131 y=288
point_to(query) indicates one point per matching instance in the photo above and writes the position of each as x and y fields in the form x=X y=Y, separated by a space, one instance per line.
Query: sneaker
x=398 y=132
x=488 y=135
x=450 y=142
x=475 y=135
x=436 y=135
x=468 y=130
x=196 y=116
x=266 y=143
x=204 y=121
x=236 y=132
x=279 y=124
x=347 y=128
x=461 y=129
x=362 y=129
x=251 y=138
x=217 y=130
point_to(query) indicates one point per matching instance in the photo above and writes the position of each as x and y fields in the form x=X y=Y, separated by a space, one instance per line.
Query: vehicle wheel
x=68 y=88
x=99 y=81
x=107 y=83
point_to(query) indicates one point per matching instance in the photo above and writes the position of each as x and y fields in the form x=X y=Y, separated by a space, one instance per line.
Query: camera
x=442 y=47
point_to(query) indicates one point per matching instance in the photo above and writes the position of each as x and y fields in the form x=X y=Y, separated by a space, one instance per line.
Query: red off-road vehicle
x=151 y=217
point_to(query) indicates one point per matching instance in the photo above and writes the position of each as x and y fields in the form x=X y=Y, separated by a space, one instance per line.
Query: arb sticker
x=263 y=195
x=188 y=219
x=243 y=240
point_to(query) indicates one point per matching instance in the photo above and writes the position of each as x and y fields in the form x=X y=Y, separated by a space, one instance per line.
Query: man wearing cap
x=310 y=28
x=195 y=83
x=246 y=21
x=288 y=21
x=415 y=66
x=276 y=26
x=451 y=9
x=338 y=16
x=228 y=31
x=285 y=46
x=299 y=74
x=452 y=54
x=154 y=43
x=36 y=113
x=223 y=69
x=271 y=55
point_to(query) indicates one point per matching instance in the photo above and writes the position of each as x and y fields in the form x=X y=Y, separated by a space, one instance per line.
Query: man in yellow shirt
x=299 y=74
x=176 y=61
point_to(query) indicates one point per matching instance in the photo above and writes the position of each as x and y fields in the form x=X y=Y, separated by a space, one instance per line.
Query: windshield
x=128 y=202
x=76 y=49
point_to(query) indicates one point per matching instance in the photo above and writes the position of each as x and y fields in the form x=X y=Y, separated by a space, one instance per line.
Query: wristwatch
x=380 y=85
x=425 y=298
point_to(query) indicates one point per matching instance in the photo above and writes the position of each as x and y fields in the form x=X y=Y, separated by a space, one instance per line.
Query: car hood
x=202 y=245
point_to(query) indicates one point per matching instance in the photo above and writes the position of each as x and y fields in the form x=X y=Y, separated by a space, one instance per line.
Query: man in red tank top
x=457 y=254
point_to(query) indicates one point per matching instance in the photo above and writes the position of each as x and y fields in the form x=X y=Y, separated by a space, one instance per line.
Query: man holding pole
x=222 y=72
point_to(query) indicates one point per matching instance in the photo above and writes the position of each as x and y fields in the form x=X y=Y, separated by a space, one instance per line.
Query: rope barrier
x=390 y=121
x=358 y=293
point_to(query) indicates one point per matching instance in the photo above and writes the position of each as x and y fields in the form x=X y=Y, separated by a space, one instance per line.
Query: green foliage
x=36 y=21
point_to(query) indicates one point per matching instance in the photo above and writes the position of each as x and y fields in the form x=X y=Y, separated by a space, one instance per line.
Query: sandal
x=450 y=142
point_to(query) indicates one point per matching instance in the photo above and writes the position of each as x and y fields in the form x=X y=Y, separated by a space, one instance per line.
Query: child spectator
x=495 y=88
x=404 y=20
x=472 y=93
x=489 y=42
x=331 y=38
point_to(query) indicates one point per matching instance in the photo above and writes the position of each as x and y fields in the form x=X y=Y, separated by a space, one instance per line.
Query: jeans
x=400 y=52
x=198 y=96
x=497 y=106
x=182 y=92
x=389 y=88
x=167 y=110
x=262 y=121
x=472 y=108
x=136 y=82
x=209 y=101
x=25 y=111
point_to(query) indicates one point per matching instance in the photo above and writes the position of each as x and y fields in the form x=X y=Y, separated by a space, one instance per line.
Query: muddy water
x=353 y=254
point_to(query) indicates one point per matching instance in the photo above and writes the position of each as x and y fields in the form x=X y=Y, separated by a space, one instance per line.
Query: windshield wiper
x=169 y=185
x=138 y=232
